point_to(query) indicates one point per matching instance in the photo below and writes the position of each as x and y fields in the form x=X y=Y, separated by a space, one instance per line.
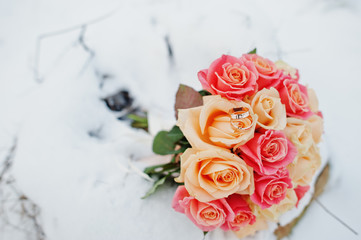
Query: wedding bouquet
x=244 y=148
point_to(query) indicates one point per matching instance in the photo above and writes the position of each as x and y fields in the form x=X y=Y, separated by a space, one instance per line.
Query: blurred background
x=70 y=71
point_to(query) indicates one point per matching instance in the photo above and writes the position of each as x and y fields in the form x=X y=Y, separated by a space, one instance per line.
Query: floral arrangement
x=244 y=149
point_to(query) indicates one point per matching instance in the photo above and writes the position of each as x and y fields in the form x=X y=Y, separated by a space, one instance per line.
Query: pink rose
x=267 y=152
x=243 y=214
x=319 y=113
x=271 y=189
x=269 y=74
x=295 y=98
x=205 y=215
x=230 y=77
x=300 y=192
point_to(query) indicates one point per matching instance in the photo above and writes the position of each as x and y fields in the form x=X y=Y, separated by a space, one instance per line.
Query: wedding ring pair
x=238 y=116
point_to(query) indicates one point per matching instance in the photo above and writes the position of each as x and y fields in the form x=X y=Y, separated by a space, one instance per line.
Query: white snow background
x=77 y=162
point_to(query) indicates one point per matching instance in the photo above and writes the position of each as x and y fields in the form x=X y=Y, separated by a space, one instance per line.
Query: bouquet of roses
x=244 y=148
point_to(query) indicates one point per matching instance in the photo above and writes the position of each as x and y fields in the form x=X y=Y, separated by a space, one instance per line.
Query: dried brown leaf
x=187 y=97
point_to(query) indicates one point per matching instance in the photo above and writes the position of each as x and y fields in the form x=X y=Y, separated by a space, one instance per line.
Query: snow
x=51 y=90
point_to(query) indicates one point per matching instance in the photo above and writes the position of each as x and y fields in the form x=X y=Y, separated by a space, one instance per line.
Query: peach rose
x=295 y=97
x=300 y=134
x=303 y=169
x=287 y=70
x=269 y=109
x=313 y=100
x=209 y=126
x=230 y=77
x=250 y=230
x=271 y=189
x=274 y=212
x=269 y=75
x=242 y=213
x=207 y=216
x=267 y=152
x=316 y=124
x=213 y=174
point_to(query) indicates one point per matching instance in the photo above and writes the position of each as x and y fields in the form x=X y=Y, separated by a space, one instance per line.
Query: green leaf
x=137 y=118
x=138 y=121
x=139 y=125
x=204 y=234
x=162 y=144
x=155 y=186
x=254 y=51
x=183 y=148
x=174 y=158
x=184 y=142
x=162 y=167
x=204 y=93
x=187 y=97
x=165 y=142
x=175 y=134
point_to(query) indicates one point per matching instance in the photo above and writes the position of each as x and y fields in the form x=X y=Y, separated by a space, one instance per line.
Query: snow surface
x=78 y=163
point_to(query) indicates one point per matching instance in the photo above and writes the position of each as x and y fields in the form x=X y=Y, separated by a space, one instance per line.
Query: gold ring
x=237 y=115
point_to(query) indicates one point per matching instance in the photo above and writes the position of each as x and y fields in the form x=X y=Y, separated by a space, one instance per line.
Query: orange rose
x=209 y=126
x=269 y=109
x=213 y=174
